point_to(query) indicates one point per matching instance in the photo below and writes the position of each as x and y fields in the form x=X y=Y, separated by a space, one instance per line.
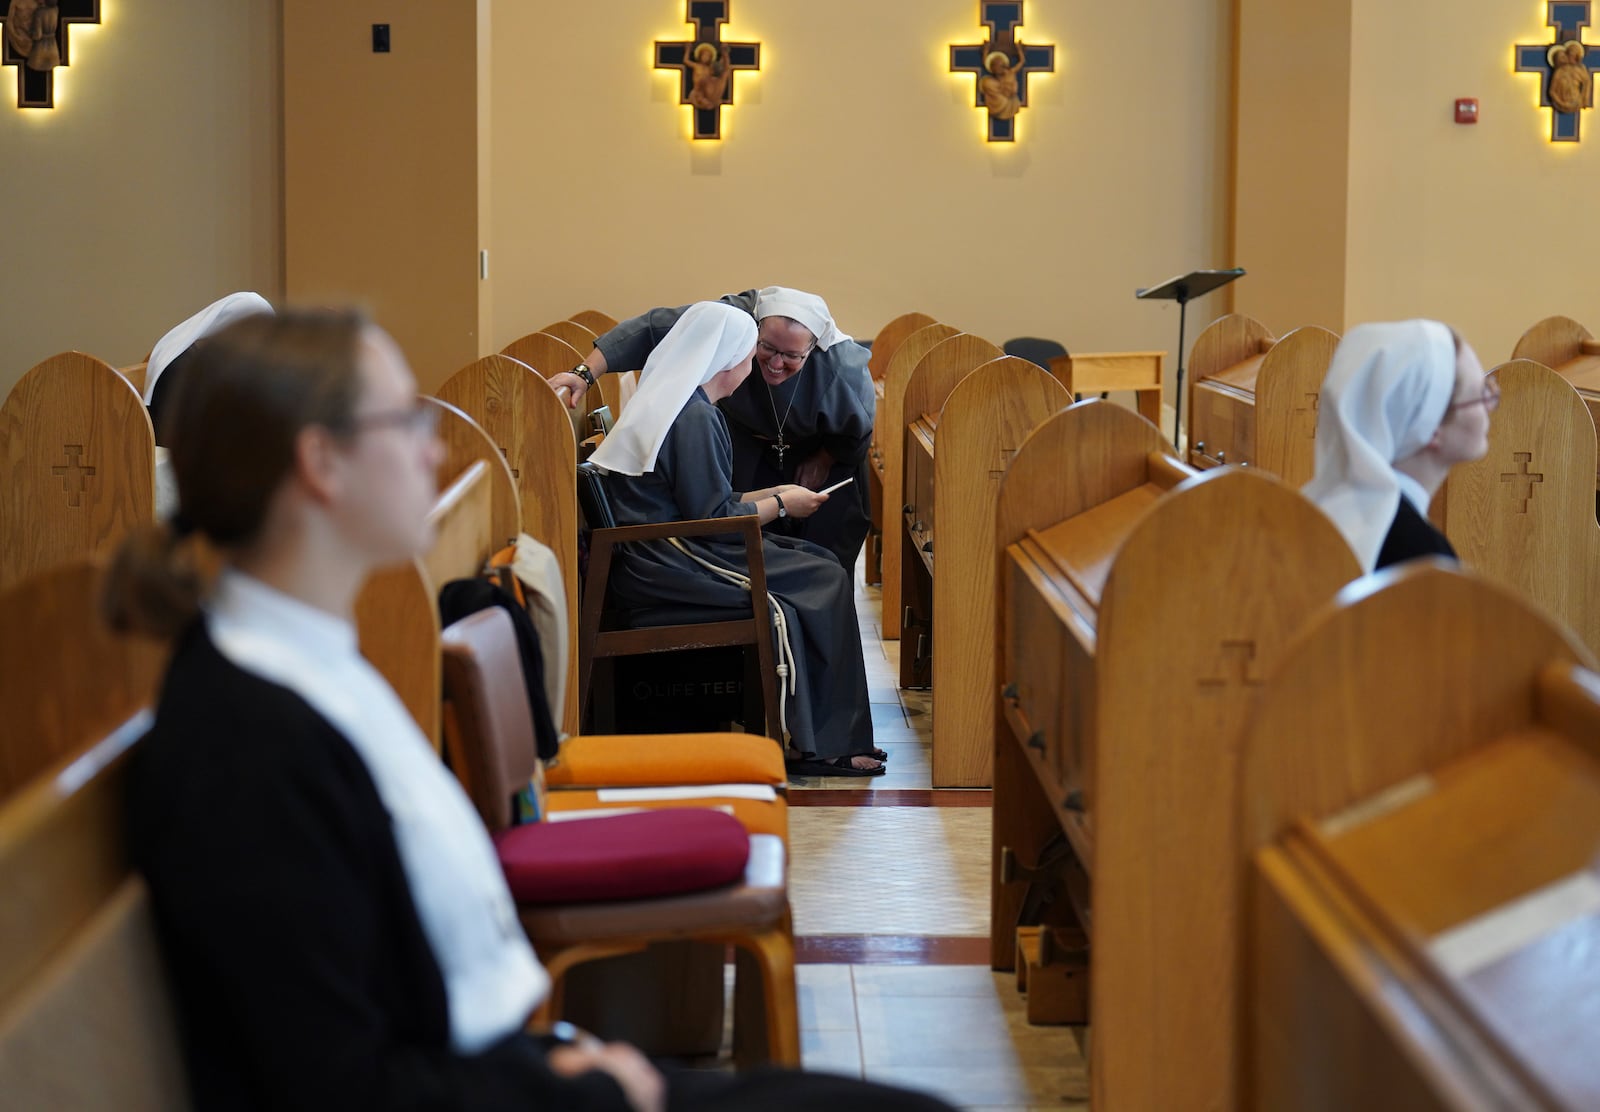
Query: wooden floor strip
x=890 y=949
x=890 y=797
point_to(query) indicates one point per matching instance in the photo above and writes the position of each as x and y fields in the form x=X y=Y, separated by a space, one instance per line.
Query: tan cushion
x=666 y=760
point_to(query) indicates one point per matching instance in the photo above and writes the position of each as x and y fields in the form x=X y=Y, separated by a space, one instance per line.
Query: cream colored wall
x=854 y=166
x=1489 y=227
x=152 y=189
x=1291 y=204
x=381 y=170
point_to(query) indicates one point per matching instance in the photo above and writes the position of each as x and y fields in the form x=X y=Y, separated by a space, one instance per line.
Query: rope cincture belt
x=786 y=672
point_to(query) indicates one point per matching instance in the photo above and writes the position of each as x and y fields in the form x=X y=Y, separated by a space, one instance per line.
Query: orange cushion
x=666 y=760
x=758 y=816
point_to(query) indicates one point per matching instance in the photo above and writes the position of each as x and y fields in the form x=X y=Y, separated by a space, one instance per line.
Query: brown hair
x=242 y=399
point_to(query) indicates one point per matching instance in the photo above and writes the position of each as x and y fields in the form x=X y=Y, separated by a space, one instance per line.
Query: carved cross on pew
x=1243 y=656
x=708 y=16
x=36 y=88
x=1002 y=19
x=1522 y=475
x=515 y=474
x=1311 y=411
x=1006 y=456
x=72 y=470
x=1569 y=19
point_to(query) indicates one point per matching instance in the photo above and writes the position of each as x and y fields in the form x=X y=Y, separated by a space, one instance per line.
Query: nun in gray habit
x=669 y=458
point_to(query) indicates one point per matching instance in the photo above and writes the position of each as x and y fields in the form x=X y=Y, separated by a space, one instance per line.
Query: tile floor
x=923 y=871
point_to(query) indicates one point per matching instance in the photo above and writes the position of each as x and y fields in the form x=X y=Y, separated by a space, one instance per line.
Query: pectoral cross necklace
x=782 y=446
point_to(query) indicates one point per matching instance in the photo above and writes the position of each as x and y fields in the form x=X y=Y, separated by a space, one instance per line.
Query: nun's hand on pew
x=574 y=386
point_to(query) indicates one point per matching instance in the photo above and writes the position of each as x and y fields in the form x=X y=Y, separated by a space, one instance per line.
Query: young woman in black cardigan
x=333 y=916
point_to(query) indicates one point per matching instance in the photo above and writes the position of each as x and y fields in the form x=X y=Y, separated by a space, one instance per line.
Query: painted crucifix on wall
x=34 y=39
x=707 y=64
x=1565 y=68
x=1002 y=65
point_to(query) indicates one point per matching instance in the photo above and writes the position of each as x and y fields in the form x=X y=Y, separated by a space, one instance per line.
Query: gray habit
x=827 y=405
x=828 y=716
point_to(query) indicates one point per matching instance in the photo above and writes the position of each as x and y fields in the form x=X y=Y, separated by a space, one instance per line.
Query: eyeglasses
x=421 y=419
x=791 y=356
x=1489 y=399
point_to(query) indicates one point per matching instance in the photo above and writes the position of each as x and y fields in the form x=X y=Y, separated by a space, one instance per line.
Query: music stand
x=1183 y=290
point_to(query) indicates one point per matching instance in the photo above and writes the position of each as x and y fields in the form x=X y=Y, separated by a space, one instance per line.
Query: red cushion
x=635 y=856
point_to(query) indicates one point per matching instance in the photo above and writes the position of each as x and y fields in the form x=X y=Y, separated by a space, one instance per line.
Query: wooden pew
x=976 y=419
x=1142 y=610
x=1524 y=514
x=529 y=423
x=550 y=356
x=1421 y=791
x=1104 y=372
x=135 y=375
x=889 y=339
x=1568 y=348
x=78 y=454
x=1253 y=399
x=887 y=453
x=595 y=321
x=570 y=332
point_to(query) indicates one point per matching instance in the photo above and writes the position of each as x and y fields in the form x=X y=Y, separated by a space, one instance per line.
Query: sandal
x=833 y=768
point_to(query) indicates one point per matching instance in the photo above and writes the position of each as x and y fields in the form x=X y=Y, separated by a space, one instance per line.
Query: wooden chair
x=1420 y=804
x=78 y=454
x=606 y=632
x=498 y=759
x=1524 y=514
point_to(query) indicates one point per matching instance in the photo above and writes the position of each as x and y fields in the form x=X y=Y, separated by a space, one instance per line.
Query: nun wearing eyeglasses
x=1401 y=405
x=670 y=458
x=805 y=417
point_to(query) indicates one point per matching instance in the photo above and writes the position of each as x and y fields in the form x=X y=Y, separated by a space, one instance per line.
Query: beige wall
x=854 y=166
x=1293 y=120
x=152 y=189
x=381 y=169
x=1489 y=227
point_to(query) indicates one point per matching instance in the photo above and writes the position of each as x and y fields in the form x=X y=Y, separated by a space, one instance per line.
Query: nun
x=805 y=418
x=1402 y=404
x=670 y=458
x=159 y=384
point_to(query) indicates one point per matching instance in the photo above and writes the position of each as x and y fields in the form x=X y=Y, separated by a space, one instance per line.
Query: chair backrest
x=487 y=694
x=1035 y=350
x=592 y=498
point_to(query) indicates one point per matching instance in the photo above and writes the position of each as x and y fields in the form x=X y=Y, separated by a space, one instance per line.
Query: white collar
x=1414 y=491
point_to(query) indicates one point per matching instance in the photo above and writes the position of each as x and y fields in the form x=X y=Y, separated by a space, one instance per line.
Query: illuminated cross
x=37 y=88
x=708 y=16
x=1002 y=19
x=1244 y=654
x=1006 y=456
x=1524 y=476
x=1569 y=20
x=1311 y=412
x=73 y=469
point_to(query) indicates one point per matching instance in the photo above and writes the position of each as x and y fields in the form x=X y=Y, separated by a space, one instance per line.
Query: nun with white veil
x=1401 y=405
x=670 y=459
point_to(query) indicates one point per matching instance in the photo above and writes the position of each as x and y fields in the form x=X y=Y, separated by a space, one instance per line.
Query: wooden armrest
x=623 y=534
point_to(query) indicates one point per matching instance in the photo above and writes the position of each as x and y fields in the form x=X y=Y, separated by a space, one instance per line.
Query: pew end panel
x=465 y=443
x=86 y=1019
x=1398 y=787
x=984 y=421
x=1569 y=349
x=889 y=339
x=580 y=337
x=1086 y=455
x=549 y=356
x=65 y=678
x=78 y=452
x=1259 y=561
x=595 y=321
x=1524 y=514
x=1288 y=394
x=888 y=459
x=1225 y=359
x=135 y=375
x=529 y=423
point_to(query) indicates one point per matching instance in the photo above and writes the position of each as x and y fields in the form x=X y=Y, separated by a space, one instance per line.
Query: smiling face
x=782 y=349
